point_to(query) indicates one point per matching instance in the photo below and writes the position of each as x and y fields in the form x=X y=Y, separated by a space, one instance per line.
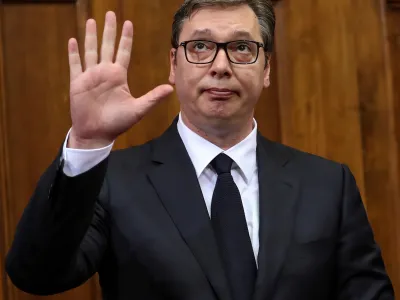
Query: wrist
x=76 y=142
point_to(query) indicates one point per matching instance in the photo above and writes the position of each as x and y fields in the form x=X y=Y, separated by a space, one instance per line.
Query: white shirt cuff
x=78 y=161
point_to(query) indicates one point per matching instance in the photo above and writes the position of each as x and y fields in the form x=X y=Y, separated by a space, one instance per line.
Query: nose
x=221 y=66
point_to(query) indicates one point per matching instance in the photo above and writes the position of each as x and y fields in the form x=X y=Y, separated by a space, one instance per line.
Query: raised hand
x=102 y=106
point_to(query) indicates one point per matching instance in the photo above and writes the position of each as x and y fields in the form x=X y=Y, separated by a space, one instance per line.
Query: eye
x=243 y=47
x=200 y=46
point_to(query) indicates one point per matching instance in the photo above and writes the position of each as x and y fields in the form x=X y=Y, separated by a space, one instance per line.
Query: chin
x=217 y=112
x=220 y=118
x=219 y=109
x=220 y=115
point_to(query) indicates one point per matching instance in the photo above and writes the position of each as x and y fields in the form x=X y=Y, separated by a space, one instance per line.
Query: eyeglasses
x=238 y=52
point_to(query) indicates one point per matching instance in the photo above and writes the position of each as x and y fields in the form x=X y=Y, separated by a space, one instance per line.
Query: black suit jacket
x=140 y=221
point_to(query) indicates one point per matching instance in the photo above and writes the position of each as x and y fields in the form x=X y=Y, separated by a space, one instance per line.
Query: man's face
x=219 y=93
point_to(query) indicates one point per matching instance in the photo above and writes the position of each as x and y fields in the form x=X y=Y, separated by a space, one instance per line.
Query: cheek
x=187 y=85
x=252 y=82
x=189 y=76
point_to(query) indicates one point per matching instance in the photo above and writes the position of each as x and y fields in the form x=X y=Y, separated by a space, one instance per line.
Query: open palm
x=102 y=106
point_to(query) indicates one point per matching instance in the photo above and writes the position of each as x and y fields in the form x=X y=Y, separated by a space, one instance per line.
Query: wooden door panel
x=36 y=104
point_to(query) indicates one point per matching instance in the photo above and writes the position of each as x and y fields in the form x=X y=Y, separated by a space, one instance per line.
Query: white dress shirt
x=201 y=152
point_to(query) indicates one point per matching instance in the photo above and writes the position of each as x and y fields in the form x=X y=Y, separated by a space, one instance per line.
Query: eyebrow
x=243 y=34
x=204 y=31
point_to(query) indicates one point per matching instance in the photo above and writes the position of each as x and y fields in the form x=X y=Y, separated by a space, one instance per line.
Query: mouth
x=220 y=93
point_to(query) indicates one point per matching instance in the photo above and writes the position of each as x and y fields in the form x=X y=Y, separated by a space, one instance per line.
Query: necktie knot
x=222 y=163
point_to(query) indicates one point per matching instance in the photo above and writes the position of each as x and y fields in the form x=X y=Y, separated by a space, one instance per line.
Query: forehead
x=222 y=24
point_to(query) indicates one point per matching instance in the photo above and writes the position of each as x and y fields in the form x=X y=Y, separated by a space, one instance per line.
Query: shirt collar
x=202 y=152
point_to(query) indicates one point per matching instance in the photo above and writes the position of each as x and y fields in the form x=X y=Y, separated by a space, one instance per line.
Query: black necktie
x=232 y=235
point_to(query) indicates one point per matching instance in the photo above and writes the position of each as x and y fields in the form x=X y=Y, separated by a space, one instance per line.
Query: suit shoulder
x=300 y=154
x=316 y=174
x=307 y=164
x=132 y=157
x=312 y=159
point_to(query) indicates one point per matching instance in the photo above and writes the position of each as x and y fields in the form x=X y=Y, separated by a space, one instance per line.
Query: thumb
x=157 y=94
x=147 y=101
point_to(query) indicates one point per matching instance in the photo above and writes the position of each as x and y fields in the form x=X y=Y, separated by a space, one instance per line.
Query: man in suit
x=209 y=210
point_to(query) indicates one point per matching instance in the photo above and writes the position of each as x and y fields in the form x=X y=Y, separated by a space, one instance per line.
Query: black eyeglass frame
x=225 y=47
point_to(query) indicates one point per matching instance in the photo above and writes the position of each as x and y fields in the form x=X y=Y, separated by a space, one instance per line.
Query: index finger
x=125 y=45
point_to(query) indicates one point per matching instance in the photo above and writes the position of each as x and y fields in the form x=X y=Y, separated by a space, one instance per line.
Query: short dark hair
x=262 y=8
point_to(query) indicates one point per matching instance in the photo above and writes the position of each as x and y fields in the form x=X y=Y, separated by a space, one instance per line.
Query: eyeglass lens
x=205 y=51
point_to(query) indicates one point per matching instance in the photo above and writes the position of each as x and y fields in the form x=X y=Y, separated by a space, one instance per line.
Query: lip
x=220 y=93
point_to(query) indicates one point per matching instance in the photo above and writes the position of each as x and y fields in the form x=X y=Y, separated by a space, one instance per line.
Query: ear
x=267 y=71
x=172 y=59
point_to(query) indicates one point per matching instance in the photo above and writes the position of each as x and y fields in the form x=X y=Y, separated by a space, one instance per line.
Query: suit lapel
x=278 y=192
x=174 y=178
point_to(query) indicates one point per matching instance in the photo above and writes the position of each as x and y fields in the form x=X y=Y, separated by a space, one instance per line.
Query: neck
x=223 y=136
